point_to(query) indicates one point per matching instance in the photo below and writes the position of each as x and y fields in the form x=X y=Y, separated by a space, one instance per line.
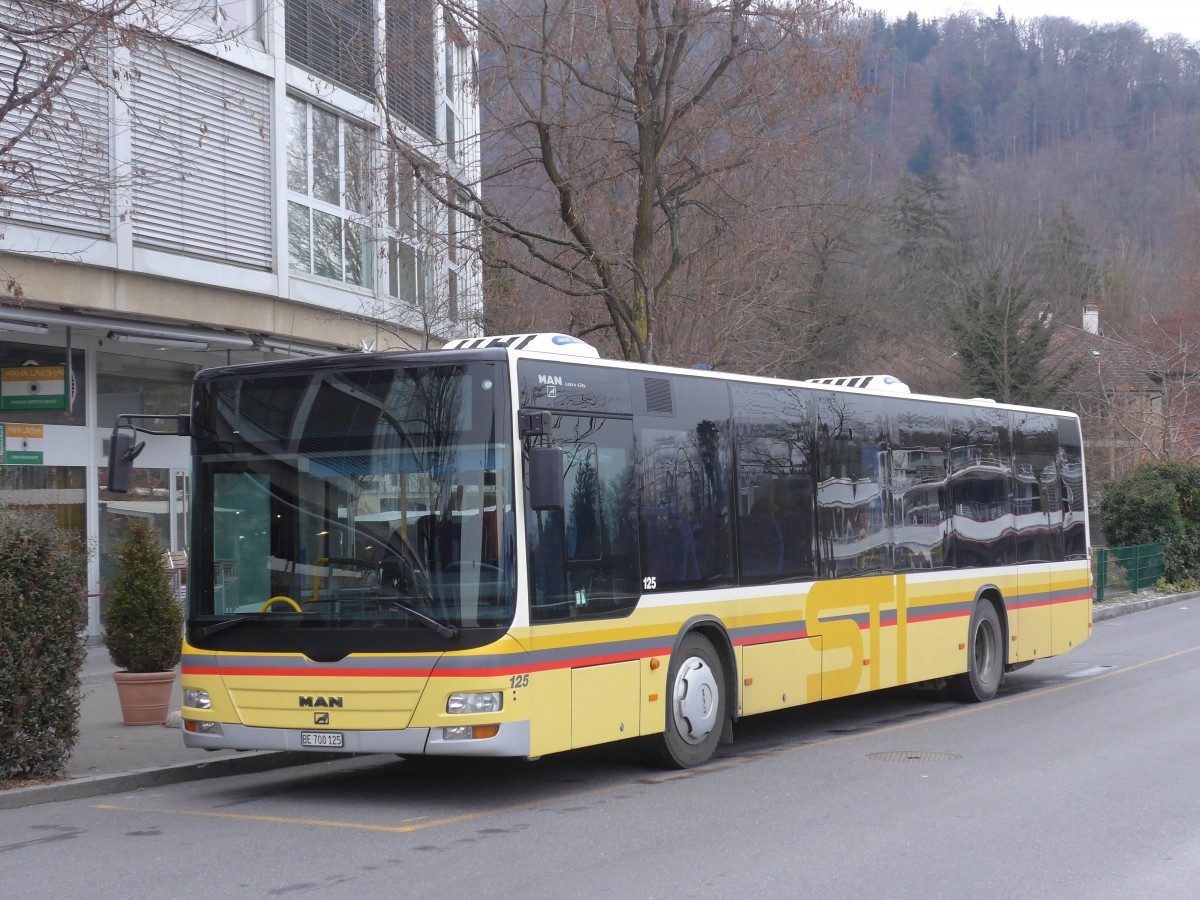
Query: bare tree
x=646 y=160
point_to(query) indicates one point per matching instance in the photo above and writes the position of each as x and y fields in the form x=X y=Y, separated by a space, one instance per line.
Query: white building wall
x=175 y=183
x=162 y=213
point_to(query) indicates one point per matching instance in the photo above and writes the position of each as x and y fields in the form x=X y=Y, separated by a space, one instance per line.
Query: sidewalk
x=111 y=757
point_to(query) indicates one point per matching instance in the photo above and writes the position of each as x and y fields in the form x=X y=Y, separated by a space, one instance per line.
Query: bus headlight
x=490 y=702
x=197 y=699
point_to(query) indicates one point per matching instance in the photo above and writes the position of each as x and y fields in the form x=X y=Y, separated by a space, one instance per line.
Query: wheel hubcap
x=985 y=650
x=695 y=700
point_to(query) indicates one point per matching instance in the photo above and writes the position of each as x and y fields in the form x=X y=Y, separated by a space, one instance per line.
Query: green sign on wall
x=21 y=445
x=33 y=387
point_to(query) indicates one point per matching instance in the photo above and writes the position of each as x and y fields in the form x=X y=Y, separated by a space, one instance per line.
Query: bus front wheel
x=696 y=702
x=985 y=657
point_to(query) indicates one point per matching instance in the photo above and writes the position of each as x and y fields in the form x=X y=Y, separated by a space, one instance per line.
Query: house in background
x=264 y=190
x=1137 y=402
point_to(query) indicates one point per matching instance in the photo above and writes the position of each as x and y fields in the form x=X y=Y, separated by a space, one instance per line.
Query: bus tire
x=985 y=657
x=696 y=704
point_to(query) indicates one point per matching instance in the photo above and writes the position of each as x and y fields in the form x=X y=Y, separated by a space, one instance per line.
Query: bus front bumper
x=511 y=740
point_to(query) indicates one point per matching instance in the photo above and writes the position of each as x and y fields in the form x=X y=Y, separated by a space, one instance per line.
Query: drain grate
x=913 y=756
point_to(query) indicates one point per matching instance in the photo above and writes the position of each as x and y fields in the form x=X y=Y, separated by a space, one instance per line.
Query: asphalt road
x=1078 y=781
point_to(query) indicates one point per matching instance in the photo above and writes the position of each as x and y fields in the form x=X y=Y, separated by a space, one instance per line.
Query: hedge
x=43 y=614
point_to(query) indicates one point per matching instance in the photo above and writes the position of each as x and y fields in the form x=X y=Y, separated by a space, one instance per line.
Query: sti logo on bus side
x=321 y=702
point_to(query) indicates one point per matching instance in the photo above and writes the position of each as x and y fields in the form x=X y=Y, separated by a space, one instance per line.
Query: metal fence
x=1120 y=569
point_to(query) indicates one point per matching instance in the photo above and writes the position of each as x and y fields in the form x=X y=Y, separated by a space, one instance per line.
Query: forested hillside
x=972 y=174
x=1105 y=121
x=1065 y=155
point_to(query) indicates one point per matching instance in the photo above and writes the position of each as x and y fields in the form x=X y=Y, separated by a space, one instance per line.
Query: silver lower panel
x=512 y=740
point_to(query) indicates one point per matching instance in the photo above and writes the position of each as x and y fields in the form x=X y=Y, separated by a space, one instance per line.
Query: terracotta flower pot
x=145 y=696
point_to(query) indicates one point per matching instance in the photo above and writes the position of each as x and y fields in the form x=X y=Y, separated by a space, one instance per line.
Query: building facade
x=1137 y=402
x=252 y=180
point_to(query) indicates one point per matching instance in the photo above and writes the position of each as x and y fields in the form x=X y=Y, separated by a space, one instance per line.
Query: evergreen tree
x=1002 y=340
x=923 y=162
x=143 y=627
x=1067 y=259
x=921 y=213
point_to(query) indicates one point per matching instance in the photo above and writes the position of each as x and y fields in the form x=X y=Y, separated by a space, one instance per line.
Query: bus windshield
x=374 y=502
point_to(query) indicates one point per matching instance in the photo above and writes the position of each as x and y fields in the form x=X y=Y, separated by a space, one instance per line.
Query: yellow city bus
x=511 y=547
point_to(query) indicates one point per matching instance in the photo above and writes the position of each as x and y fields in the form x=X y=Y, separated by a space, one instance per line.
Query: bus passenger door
x=1071 y=578
x=1038 y=517
x=583 y=565
x=583 y=558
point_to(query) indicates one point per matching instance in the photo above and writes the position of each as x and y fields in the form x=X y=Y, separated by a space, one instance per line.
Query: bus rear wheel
x=696 y=701
x=985 y=657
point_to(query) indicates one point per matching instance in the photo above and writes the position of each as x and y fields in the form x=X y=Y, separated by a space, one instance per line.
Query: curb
x=247 y=763
x=1123 y=607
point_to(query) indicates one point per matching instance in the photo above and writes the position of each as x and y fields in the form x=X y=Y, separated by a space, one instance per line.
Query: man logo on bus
x=325 y=702
x=550 y=379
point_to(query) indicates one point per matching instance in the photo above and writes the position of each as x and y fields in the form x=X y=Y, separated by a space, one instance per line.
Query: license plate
x=332 y=739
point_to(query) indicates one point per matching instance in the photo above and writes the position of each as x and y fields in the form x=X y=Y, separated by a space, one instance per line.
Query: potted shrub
x=143 y=627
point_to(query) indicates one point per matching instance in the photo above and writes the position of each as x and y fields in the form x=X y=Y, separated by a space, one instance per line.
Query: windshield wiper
x=449 y=632
x=206 y=630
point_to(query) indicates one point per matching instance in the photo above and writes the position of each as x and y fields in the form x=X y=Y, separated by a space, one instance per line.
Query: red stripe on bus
x=934 y=617
x=449 y=672
x=306 y=673
x=1053 y=601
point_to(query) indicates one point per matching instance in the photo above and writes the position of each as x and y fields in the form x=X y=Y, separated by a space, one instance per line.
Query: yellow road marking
x=421 y=823
x=288 y=820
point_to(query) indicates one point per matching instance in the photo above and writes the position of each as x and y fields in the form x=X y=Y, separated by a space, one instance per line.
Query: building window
x=328 y=201
x=201 y=151
x=461 y=240
x=411 y=63
x=239 y=17
x=135 y=384
x=458 y=88
x=55 y=163
x=412 y=219
x=334 y=39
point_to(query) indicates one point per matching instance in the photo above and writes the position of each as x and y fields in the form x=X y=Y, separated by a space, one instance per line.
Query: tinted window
x=1074 y=505
x=981 y=487
x=776 y=512
x=686 y=479
x=852 y=493
x=583 y=558
x=1036 y=486
x=920 y=484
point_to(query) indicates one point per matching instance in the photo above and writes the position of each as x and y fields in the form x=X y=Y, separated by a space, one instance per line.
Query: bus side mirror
x=122 y=451
x=546 y=478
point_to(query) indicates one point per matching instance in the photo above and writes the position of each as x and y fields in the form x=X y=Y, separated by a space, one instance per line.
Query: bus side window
x=686 y=476
x=773 y=443
x=583 y=557
x=670 y=551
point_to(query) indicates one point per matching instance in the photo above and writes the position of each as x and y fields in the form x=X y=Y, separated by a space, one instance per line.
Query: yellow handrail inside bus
x=281 y=599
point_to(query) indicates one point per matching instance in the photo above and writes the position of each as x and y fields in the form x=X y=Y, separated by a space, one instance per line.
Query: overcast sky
x=1159 y=17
